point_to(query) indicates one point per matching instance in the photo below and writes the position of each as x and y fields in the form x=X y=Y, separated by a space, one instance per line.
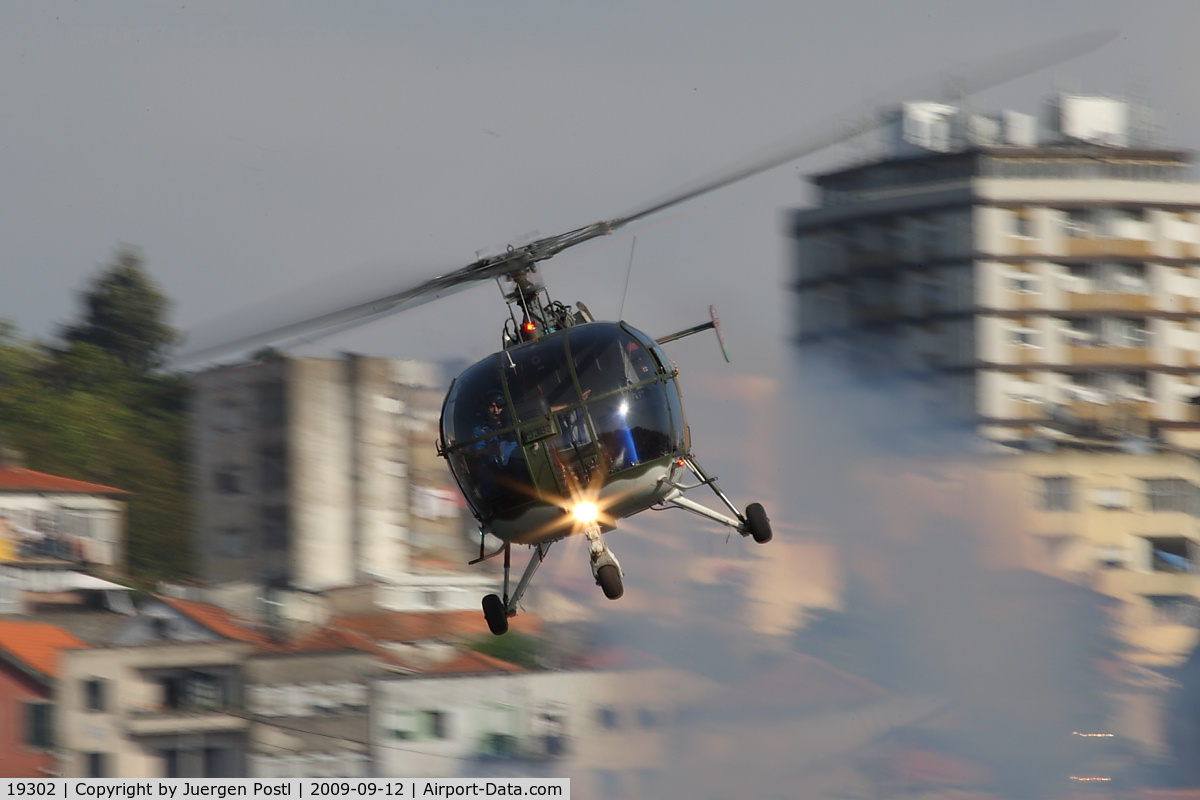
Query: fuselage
x=592 y=412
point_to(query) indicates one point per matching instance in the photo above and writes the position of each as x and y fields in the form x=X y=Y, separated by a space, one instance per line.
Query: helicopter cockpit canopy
x=538 y=422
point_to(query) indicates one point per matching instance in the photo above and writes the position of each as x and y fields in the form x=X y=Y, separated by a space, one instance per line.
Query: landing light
x=586 y=512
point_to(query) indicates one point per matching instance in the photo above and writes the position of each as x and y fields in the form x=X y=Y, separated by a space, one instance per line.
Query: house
x=53 y=527
x=475 y=716
x=31 y=655
x=162 y=700
x=309 y=699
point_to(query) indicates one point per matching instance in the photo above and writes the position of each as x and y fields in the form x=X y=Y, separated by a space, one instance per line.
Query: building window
x=232 y=542
x=273 y=468
x=97 y=765
x=227 y=481
x=1121 y=277
x=1022 y=226
x=608 y=718
x=272 y=405
x=1078 y=224
x=1172 y=494
x=1058 y=493
x=275 y=527
x=229 y=418
x=218 y=762
x=1025 y=337
x=1171 y=554
x=39 y=725
x=435 y=724
x=93 y=694
x=1023 y=282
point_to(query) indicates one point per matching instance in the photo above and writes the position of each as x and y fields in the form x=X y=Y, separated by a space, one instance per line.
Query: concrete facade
x=310 y=713
x=1021 y=284
x=589 y=724
x=318 y=473
x=153 y=711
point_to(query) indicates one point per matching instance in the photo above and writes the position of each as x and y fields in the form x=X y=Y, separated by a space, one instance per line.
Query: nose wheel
x=609 y=578
x=605 y=567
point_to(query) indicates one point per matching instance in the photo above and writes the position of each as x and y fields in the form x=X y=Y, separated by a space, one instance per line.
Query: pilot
x=497 y=450
x=494 y=453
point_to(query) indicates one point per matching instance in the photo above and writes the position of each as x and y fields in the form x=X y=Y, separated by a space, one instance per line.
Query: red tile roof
x=333 y=640
x=19 y=479
x=36 y=645
x=418 y=626
x=470 y=662
x=217 y=620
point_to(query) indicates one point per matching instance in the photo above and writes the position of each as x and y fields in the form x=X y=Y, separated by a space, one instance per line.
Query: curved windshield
x=477 y=428
x=607 y=359
x=539 y=378
x=633 y=426
x=464 y=410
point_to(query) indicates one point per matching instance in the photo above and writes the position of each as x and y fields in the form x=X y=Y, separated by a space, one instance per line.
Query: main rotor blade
x=875 y=113
x=860 y=119
x=219 y=338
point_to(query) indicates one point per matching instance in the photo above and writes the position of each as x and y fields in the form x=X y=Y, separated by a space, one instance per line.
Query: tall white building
x=1023 y=281
x=1045 y=294
x=321 y=473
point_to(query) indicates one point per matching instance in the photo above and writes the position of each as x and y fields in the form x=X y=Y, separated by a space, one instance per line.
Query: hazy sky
x=249 y=149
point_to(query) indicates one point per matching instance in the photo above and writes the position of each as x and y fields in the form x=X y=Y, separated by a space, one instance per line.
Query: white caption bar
x=291 y=788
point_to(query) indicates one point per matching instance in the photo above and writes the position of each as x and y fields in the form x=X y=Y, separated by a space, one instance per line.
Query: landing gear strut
x=605 y=568
x=497 y=610
x=754 y=523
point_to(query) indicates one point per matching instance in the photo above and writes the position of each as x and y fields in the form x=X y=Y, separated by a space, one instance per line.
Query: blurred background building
x=318 y=474
x=1037 y=286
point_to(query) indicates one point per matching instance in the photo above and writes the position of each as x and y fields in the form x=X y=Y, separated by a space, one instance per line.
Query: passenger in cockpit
x=500 y=467
x=495 y=449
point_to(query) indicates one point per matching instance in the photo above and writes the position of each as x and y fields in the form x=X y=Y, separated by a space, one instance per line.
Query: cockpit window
x=465 y=410
x=608 y=359
x=538 y=378
x=634 y=426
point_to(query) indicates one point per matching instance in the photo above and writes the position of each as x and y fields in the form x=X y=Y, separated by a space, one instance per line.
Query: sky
x=250 y=151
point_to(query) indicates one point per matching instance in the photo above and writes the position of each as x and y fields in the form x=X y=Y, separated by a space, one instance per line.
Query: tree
x=125 y=315
x=97 y=408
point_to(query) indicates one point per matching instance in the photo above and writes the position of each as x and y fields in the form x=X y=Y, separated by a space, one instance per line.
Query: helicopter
x=578 y=423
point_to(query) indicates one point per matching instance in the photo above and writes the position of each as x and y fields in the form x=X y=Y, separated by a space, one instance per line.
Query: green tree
x=125 y=315
x=94 y=407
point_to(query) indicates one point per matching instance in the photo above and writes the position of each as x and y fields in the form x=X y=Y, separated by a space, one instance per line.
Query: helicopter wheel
x=495 y=614
x=609 y=578
x=757 y=523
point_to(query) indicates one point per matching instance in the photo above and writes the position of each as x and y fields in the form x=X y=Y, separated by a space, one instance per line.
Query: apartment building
x=1024 y=282
x=321 y=473
x=1040 y=290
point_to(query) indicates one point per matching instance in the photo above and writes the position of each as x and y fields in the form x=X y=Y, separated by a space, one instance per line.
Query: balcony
x=1109 y=301
x=1105 y=246
x=1115 y=356
x=170 y=722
